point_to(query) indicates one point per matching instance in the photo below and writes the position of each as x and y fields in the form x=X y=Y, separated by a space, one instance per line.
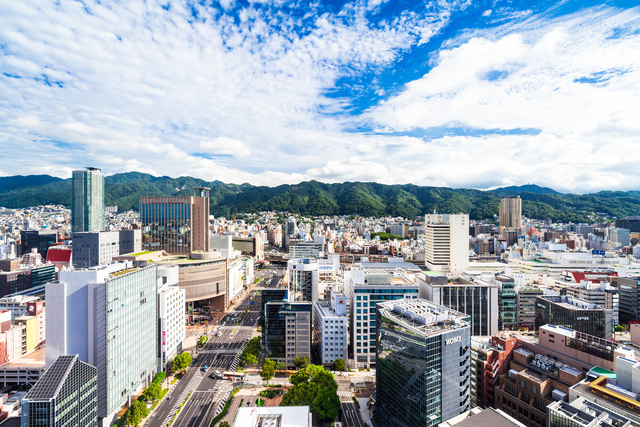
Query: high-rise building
x=65 y=396
x=423 y=363
x=365 y=287
x=470 y=295
x=446 y=242
x=629 y=300
x=107 y=316
x=510 y=215
x=287 y=330
x=303 y=278
x=99 y=247
x=176 y=225
x=527 y=307
x=171 y=319
x=330 y=329
x=508 y=302
x=87 y=200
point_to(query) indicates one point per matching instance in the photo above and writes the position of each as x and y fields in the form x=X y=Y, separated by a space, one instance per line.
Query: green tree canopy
x=315 y=387
x=339 y=365
x=182 y=361
x=301 y=362
x=268 y=369
x=136 y=413
x=153 y=391
x=326 y=404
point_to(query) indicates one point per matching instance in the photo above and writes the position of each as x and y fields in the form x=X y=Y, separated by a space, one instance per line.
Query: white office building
x=171 y=319
x=99 y=247
x=235 y=274
x=107 y=315
x=312 y=249
x=330 y=329
x=447 y=242
x=365 y=287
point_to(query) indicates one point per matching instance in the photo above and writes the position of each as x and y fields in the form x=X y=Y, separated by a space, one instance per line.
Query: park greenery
x=251 y=352
x=385 y=236
x=313 y=198
x=181 y=362
x=315 y=387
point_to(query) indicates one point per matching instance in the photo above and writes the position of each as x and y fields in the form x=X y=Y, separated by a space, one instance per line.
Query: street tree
x=301 y=362
x=268 y=370
x=339 y=365
x=326 y=404
x=182 y=361
x=153 y=391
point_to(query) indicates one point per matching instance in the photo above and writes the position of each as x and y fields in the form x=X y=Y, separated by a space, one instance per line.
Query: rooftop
x=49 y=384
x=423 y=316
x=274 y=416
x=33 y=360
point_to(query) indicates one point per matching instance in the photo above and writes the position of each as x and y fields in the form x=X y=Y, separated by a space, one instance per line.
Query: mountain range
x=314 y=198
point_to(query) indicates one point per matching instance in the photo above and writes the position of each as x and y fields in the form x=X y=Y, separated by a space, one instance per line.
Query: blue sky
x=449 y=93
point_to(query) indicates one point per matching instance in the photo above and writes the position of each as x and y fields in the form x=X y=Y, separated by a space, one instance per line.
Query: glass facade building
x=508 y=303
x=87 y=200
x=575 y=314
x=629 y=301
x=423 y=363
x=378 y=286
x=176 y=225
x=288 y=330
x=65 y=396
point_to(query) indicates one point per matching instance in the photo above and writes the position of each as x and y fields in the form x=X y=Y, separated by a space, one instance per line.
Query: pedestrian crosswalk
x=193 y=384
x=344 y=395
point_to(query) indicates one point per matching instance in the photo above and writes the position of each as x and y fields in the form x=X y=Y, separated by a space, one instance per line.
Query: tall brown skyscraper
x=176 y=225
x=511 y=212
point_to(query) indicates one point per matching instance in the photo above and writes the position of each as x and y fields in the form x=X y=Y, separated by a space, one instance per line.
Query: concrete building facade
x=447 y=242
x=330 y=330
x=99 y=247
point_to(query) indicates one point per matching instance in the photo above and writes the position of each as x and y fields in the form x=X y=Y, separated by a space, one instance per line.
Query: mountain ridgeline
x=313 y=198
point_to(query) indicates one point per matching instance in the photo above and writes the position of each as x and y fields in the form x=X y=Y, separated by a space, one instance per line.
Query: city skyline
x=458 y=94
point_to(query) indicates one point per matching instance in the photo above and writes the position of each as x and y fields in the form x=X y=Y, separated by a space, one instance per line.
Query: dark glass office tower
x=423 y=363
x=65 y=396
x=87 y=200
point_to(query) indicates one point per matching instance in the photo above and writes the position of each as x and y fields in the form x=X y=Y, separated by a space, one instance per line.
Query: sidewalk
x=166 y=383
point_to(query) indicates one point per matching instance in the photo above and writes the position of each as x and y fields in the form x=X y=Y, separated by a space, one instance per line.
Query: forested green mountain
x=315 y=198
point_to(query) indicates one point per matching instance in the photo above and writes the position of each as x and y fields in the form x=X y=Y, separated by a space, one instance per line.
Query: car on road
x=205 y=368
x=218 y=334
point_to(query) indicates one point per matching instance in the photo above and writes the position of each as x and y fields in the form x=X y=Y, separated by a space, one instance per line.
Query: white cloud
x=132 y=86
x=224 y=146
